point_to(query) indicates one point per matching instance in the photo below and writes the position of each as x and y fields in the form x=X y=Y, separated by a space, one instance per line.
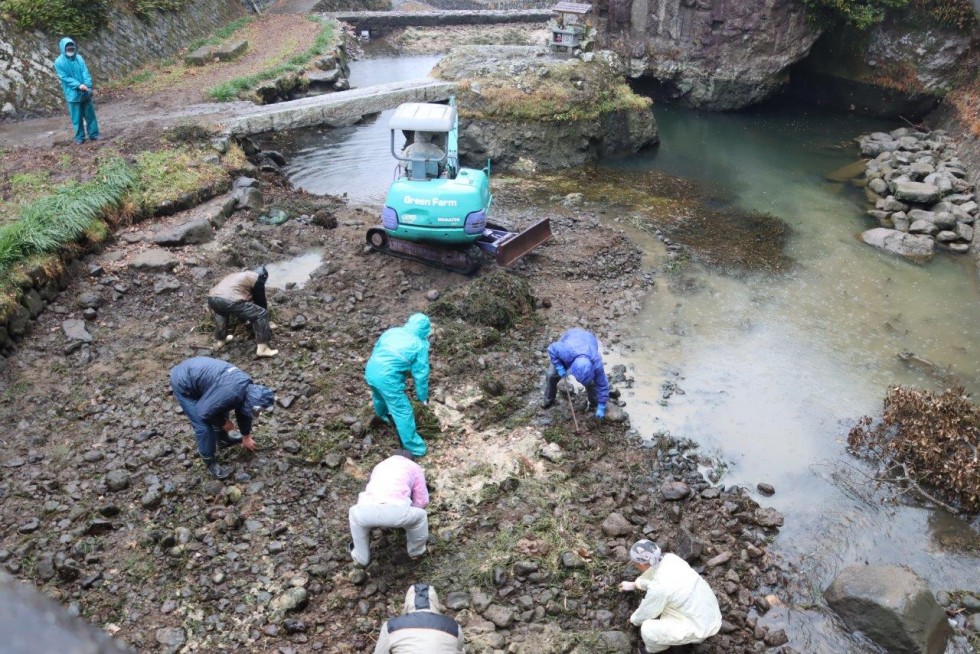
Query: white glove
x=627 y=586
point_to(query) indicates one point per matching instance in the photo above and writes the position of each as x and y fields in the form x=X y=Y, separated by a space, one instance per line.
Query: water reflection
x=295 y=271
x=353 y=161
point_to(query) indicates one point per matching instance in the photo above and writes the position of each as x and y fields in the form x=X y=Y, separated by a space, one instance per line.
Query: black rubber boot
x=215 y=468
x=226 y=440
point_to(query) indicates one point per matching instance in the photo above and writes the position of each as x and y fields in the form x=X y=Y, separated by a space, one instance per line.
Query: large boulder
x=527 y=111
x=712 y=54
x=914 y=247
x=917 y=192
x=892 y=606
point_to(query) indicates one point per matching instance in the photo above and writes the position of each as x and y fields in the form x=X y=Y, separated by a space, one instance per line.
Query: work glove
x=600 y=411
x=560 y=369
x=627 y=586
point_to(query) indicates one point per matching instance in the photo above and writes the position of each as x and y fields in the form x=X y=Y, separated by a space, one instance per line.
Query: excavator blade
x=512 y=249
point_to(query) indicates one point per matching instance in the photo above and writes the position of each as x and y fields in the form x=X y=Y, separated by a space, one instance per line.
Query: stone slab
x=200 y=57
x=230 y=51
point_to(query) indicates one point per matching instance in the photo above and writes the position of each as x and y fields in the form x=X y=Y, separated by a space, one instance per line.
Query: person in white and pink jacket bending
x=395 y=497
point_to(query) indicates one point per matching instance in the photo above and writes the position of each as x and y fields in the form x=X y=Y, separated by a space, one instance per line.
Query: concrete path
x=336 y=109
x=384 y=20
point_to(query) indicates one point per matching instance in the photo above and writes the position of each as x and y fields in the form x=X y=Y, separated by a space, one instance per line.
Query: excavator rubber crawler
x=464 y=261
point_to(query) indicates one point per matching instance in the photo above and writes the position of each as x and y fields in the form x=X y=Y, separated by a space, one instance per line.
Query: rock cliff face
x=718 y=54
x=897 y=68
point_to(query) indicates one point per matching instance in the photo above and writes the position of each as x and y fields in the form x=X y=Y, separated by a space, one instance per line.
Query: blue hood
x=582 y=370
x=259 y=396
x=64 y=44
x=418 y=324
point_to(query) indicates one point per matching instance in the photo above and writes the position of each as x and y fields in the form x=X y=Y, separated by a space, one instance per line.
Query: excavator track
x=465 y=261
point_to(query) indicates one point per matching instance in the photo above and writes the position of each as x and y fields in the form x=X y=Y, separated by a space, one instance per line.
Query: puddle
x=294 y=271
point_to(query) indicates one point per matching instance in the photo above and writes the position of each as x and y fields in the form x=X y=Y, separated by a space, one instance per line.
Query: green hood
x=418 y=324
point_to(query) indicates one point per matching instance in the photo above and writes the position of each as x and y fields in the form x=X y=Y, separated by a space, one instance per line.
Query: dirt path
x=171 y=93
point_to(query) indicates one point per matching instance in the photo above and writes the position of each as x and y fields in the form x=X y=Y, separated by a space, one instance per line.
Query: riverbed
x=772 y=367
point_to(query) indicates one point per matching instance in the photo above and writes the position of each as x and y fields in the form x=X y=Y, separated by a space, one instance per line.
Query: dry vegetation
x=931 y=440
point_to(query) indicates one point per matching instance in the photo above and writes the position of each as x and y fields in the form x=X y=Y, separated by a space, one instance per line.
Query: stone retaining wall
x=29 y=86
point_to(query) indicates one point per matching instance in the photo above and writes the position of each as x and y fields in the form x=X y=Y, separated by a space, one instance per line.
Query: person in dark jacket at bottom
x=208 y=390
x=242 y=295
x=421 y=629
x=576 y=353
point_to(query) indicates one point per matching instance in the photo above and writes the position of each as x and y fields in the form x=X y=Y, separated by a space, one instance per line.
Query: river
x=774 y=367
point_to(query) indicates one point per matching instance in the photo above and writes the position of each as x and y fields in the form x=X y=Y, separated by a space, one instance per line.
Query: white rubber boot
x=263 y=350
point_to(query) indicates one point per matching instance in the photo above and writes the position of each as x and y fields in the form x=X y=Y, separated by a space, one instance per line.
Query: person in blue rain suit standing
x=76 y=82
x=576 y=353
x=208 y=390
x=401 y=351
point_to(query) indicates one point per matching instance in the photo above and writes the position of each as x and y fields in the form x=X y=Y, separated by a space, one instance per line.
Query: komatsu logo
x=429 y=202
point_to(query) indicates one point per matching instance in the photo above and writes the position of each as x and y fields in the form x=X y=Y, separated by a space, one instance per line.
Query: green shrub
x=76 y=17
x=57 y=16
x=862 y=14
x=147 y=7
x=958 y=14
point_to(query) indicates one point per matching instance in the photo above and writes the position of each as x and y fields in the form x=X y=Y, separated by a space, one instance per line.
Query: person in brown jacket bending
x=242 y=295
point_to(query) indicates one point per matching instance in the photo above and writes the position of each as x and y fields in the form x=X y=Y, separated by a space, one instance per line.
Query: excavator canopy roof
x=423 y=117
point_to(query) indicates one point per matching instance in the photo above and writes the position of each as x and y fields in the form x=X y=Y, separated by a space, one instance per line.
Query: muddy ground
x=107 y=508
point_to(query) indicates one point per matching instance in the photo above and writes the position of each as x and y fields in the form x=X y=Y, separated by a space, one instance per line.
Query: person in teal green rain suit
x=76 y=82
x=401 y=351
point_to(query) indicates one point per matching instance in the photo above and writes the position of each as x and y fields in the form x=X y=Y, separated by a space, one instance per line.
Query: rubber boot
x=211 y=463
x=263 y=350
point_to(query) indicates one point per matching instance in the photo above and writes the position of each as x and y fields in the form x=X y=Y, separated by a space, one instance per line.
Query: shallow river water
x=774 y=368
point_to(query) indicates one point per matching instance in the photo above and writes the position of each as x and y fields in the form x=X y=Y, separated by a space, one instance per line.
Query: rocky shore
x=922 y=195
x=107 y=509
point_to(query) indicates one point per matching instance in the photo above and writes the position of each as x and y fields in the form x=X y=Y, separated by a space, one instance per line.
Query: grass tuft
x=66 y=215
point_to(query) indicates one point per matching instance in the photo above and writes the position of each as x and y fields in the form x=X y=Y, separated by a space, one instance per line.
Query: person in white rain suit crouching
x=679 y=607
